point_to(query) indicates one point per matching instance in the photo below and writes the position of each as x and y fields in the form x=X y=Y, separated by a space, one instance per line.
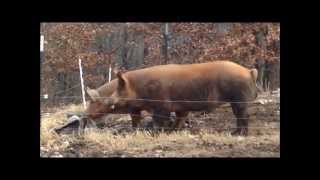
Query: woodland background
x=138 y=45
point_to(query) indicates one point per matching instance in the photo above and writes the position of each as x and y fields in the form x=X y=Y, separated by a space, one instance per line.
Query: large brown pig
x=183 y=88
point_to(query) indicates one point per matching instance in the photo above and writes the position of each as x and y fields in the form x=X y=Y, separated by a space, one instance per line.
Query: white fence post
x=166 y=28
x=41 y=43
x=41 y=59
x=110 y=72
x=82 y=87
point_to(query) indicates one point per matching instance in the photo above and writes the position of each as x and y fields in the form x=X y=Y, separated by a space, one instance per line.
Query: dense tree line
x=137 y=45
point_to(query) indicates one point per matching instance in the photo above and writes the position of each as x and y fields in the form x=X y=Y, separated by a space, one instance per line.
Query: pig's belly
x=193 y=106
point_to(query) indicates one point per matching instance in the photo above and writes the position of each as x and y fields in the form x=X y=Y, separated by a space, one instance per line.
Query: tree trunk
x=261 y=63
x=121 y=40
x=274 y=74
x=165 y=42
x=135 y=50
x=260 y=66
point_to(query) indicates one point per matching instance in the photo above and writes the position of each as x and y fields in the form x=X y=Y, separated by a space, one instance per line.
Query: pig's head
x=98 y=105
x=119 y=101
x=122 y=99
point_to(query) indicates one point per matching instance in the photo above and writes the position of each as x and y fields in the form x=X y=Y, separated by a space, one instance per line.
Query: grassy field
x=187 y=143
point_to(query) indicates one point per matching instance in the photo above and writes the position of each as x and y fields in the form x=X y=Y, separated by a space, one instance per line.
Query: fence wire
x=176 y=101
x=197 y=119
x=167 y=117
x=198 y=128
x=266 y=99
x=64 y=91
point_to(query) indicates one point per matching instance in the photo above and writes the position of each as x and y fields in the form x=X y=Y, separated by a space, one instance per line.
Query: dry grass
x=102 y=143
x=58 y=117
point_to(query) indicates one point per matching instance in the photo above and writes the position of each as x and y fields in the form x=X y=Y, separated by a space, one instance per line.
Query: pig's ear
x=93 y=94
x=116 y=70
x=121 y=80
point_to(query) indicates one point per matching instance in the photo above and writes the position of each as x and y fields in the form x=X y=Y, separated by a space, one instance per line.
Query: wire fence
x=165 y=100
x=64 y=91
x=166 y=117
x=257 y=101
x=265 y=99
x=194 y=121
x=197 y=128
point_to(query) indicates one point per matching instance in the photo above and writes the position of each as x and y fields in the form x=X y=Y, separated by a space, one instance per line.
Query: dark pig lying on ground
x=184 y=88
